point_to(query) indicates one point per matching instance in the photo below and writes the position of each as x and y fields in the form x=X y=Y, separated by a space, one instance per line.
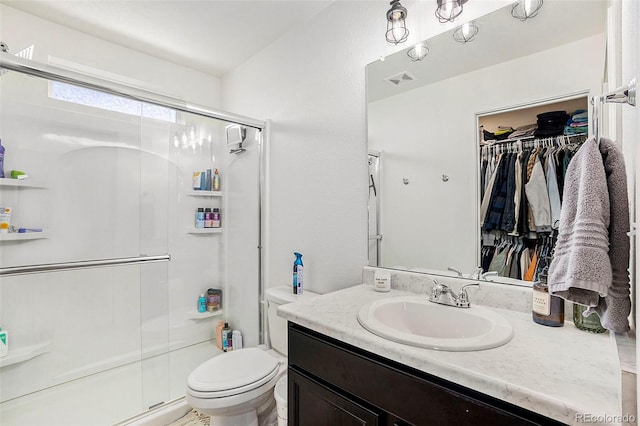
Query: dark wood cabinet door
x=313 y=404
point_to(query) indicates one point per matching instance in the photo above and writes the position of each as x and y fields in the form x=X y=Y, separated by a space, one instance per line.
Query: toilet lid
x=232 y=370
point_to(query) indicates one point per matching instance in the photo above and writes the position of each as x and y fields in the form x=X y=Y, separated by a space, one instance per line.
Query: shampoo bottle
x=298 y=274
x=202 y=303
x=237 y=339
x=225 y=336
x=219 y=328
x=4 y=342
x=216 y=180
x=200 y=217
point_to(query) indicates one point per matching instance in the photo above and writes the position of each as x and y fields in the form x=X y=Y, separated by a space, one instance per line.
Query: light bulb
x=466 y=30
x=527 y=7
x=398 y=30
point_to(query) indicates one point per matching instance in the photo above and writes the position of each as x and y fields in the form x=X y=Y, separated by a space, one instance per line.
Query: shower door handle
x=376 y=237
x=65 y=266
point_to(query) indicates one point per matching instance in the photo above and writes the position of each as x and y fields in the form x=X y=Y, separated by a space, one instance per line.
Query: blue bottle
x=298 y=274
x=202 y=303
x=1 y=160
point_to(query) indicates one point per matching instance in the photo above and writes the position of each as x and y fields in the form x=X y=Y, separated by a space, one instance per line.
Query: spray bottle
x=298 y=274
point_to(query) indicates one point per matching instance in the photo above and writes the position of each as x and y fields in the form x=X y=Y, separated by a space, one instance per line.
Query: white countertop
x=555 y=371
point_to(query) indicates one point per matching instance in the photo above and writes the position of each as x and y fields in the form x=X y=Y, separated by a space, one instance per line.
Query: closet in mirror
x=424 y=128
x=524 y=156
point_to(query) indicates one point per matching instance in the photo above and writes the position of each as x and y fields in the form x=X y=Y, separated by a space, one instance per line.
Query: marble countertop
x=559 y=372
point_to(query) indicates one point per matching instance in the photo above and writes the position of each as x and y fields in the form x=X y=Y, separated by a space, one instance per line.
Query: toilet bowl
x=236 y=387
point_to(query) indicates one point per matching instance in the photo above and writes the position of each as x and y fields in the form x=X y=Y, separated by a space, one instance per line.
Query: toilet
x=236 y=387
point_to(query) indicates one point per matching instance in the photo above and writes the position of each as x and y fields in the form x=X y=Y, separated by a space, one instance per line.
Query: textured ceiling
x=212 y=36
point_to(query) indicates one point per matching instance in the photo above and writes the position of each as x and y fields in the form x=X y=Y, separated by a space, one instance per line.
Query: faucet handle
x=463 y=296
x=437 y=290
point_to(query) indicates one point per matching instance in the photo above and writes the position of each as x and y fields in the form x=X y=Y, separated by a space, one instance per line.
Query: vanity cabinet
x=332 y=383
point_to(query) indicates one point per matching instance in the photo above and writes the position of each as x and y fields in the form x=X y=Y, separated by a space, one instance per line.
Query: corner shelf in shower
x=16 y=236
x=195 y=315
x=198 y=193
x=20 y=183
x=204 y=230
x=16 y=356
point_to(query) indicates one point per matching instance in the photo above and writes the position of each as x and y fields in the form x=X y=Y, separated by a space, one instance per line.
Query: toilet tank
x=277 y=296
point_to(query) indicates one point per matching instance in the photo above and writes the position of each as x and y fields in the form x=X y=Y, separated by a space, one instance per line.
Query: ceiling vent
x=400 y=78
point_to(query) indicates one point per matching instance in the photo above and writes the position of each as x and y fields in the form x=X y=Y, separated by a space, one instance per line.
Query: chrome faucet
x=443 y=295
x=484 y=275
x=477 y=273
x=456 y=271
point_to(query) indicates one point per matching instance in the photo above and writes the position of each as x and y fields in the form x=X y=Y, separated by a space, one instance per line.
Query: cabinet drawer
x=411 y=395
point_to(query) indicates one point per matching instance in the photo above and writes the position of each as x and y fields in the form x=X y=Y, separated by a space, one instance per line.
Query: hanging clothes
x=521 y=203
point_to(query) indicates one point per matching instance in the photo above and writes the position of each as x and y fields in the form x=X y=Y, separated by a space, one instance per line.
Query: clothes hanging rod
x=52 y=72
x=529 y=139
x=65 y=266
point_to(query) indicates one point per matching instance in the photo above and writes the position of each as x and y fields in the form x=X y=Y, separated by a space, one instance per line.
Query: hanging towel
x=580 y=270
x=615 y=307
x=592 y=237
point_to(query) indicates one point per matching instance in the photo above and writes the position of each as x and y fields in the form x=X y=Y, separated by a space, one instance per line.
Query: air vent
x=400 y=78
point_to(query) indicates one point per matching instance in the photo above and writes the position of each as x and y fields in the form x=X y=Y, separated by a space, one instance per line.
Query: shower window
x=89 y=97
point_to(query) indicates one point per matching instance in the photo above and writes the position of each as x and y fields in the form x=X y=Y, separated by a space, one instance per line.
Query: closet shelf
x=19 y=183
x=199 y=193
x=204 y=230
x=195 y=315
x=17 y=356
x=16 y=236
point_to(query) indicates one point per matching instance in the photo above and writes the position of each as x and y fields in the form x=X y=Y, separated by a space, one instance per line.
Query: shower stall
x=103 y=264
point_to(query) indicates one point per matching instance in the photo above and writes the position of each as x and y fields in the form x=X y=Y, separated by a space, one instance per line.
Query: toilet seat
x=232 y=373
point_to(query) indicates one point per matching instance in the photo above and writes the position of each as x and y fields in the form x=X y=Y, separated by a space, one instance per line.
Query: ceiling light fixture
x=418 y=52
x=448 y=10
x=525 y=9
x=466 y=32
x=397 y=31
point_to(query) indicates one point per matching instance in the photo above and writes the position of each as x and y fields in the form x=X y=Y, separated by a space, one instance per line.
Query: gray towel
x=615 y=307
x=592 y=253
x=580 y=270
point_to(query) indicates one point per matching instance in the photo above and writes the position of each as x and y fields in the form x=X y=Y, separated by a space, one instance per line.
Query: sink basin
x=413 y=320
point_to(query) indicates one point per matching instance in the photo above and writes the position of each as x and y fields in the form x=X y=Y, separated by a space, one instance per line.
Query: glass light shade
x=418 y=52
x=397 y=31
x=449 y=10
x=465 y=33
x=525 y=9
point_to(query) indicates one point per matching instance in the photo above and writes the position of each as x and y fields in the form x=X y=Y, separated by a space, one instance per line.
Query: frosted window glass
x=94 y=98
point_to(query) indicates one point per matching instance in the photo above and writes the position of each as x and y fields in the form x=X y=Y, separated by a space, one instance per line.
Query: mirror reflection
x=426 y=120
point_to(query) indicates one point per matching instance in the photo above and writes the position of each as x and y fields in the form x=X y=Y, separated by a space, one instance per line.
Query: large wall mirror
x=423 y=124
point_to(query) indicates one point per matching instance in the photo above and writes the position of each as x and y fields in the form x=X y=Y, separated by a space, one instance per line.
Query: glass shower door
x=96 y=196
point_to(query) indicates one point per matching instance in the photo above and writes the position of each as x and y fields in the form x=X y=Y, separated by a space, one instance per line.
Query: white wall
x=311 y=85
x=19 y=30
x=431 y=131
